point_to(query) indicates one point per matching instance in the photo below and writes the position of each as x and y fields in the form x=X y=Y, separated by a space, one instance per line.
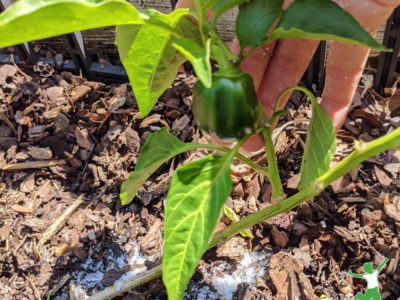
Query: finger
x=184 y=4
x=345 y=63
x=289 y=63
x=291 y=59
x=257 y=62
x=272 y=76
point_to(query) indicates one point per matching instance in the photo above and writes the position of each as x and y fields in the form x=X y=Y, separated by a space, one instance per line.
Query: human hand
x=280 y=65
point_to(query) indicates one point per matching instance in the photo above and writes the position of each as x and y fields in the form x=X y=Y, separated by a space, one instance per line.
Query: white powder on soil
x=222 y=283
x=226 y=282
x=91 y=273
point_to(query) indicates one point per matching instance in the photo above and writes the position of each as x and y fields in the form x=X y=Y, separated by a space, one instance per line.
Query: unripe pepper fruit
x=230 y=108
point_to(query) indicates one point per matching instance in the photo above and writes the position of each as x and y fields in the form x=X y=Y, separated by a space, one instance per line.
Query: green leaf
x=231 y=215
x=224 y=5
x=320 y=146
x=195 y=199
x=255 y=19
x=198 y=57
x=28 y=20
x=200 y=6
x=125 y=35
x=322 y=20
x=209 y=4
x=158 y=149
x=151 y=61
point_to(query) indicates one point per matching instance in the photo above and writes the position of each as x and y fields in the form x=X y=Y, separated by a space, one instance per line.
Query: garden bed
x=64 y=139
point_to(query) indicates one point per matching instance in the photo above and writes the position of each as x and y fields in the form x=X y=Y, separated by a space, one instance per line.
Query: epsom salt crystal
x=117 y=285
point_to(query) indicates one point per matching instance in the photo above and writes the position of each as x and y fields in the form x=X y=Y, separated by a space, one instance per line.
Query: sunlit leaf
x=158 y=149
x=320 y=146
x=28 y=20
x=255 y=19
x=195 y=199
x=198 y=57
x=322 y=20
x=151 y=61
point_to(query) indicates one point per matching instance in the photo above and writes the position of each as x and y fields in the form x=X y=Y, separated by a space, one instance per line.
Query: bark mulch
x=67 y=144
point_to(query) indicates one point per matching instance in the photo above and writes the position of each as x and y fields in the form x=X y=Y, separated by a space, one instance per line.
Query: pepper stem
x=226 y=67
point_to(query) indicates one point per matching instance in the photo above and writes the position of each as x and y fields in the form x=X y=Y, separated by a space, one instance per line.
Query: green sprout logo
x=371 y=276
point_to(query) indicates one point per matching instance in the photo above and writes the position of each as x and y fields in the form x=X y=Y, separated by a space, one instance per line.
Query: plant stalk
x=216 y=39
x=122 y=286
x=249 y=162
x=273 y=172
x=362 y=152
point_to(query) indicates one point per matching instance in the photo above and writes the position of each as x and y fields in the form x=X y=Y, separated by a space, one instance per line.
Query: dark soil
x=82 y=139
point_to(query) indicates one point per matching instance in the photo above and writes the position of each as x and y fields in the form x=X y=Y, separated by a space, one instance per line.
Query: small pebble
x=117 y=285
x=323 y=224
x=91 y=235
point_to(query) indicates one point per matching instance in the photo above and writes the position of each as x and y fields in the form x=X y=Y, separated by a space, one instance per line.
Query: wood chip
x=234 y=248
x=283 y=268
x=65 y=248
x=82 y=138
x=5 y=72
x=40 y=153
x=280 y=237
x=394 y=104
x=79 y=93
x=4 y=232
x=370 y=117
x=342 y=185
x=22 y=209
x=382 y=177
x=347 y=235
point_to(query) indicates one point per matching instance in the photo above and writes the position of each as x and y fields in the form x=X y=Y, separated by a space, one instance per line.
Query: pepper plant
x=152 y=46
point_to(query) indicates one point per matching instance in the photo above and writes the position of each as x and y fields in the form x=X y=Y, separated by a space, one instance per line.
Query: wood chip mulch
x=67 y=144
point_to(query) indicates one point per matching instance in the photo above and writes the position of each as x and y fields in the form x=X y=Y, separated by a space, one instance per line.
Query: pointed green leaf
x=255 y=19
x=28 y=20
x=158 y=149
x=125 y=35
x=209 y=4
x=224 y=5
x=320 y=146
x=200 y=7
x=322 y=20
x=151 y=61
x=195 y=199
x=231 y=215
x=198 y=57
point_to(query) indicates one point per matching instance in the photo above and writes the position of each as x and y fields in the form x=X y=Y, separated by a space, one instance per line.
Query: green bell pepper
x=230 y=108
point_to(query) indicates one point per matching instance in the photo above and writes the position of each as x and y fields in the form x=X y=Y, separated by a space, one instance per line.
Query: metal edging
x=388 y=60
x=315 y=73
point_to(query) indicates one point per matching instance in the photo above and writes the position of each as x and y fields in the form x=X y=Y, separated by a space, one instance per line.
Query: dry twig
x=8 y=122
x=56 y=226
x=59 y=285
x=33 y=286
x=34 y=164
